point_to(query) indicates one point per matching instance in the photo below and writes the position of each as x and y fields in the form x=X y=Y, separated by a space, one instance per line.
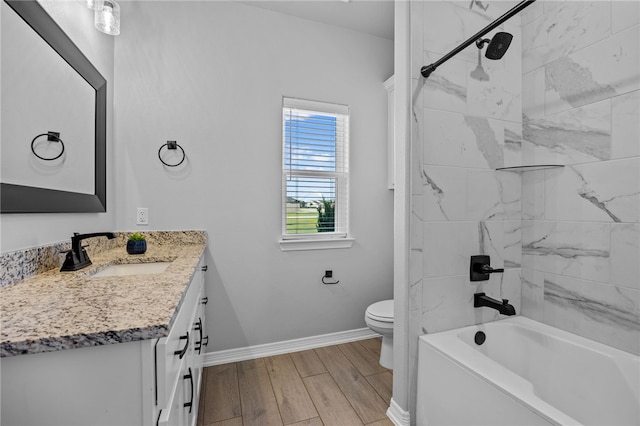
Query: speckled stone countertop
x=63 y=310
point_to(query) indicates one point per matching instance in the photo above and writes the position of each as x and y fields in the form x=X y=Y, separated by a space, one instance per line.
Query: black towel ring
x=51 y=137
x=171 y=145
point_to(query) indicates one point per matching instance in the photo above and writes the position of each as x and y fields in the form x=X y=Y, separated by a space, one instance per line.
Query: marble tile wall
x=467 y=123
x=580 y=224
x=566 y=92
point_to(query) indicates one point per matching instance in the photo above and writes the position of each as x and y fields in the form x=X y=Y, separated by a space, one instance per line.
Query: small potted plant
x=137 y=244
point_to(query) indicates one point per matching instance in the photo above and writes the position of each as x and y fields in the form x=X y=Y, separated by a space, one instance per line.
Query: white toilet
x=379 y=318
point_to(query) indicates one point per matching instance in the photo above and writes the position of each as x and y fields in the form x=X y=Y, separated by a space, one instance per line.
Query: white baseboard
x=397 y=415
x=295 y=345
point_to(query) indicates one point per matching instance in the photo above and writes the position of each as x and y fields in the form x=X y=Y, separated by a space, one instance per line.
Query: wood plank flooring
x=339 y=385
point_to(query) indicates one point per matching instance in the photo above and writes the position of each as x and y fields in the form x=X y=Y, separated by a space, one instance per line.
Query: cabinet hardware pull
x=186 y=346
x=198 y=327
x=205 y=300
x=190 y=403
x=205 y=268
x=205 y=341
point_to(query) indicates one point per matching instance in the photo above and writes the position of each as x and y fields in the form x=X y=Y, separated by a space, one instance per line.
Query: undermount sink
x=132 y=269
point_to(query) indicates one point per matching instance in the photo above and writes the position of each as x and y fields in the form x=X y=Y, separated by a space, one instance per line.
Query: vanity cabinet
x=179 y=359
x=148 y=382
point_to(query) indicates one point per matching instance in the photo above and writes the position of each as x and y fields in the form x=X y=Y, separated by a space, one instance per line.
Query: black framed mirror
x=30 y=199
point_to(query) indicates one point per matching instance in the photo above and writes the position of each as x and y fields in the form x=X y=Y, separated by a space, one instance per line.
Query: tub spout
x=481 y=299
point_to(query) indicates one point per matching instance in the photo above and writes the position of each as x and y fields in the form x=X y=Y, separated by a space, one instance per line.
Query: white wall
x=211 y=75
x=29 y=230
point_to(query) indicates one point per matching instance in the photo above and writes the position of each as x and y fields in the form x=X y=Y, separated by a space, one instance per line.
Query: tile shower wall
x=566 y=92
x=467 y=122
x=580 y=224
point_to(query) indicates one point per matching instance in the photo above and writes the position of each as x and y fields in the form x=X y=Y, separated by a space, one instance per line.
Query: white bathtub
x=525 y=373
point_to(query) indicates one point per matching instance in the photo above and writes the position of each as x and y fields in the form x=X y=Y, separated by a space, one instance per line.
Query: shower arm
x=428 y=69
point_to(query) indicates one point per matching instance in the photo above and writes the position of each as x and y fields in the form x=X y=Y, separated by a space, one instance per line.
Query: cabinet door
x=190 y=392
x=196 y=361
x=99 y=385
x=200 y=332
x=173 y=413
x=189 y=373
x=178 y=345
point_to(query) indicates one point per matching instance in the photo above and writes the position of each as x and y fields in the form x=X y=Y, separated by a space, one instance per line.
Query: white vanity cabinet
x=179 y=359
x=149 y=382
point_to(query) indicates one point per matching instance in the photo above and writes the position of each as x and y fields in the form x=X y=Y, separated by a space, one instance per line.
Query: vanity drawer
x=177 y=347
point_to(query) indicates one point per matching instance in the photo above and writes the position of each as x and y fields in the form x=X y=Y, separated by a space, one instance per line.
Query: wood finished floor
x=341 y=385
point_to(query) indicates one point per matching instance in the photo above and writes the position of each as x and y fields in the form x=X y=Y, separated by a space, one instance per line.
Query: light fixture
x=95 y=4
x=107 y=19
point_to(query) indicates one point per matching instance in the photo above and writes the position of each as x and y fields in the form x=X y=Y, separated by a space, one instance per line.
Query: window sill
x=316 y=244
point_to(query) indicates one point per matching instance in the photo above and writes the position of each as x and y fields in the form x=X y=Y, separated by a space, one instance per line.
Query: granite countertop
x=63 y=310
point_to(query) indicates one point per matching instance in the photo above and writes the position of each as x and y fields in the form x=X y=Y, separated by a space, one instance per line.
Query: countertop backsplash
x=22 y=264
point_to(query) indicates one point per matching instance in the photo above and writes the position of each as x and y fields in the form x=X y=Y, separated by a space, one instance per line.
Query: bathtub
x=525 y=373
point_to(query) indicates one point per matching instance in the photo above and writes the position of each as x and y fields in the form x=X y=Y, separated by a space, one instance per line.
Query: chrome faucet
x=481 y=299
x=77 y=257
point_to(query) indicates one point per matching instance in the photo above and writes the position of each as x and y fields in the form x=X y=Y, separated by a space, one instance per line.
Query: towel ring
x=171 y=145
x=51 y=137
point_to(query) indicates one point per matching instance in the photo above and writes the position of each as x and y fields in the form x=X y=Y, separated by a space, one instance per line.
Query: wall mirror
x=48 y=84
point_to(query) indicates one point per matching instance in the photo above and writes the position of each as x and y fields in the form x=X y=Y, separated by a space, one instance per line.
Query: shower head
x=498 y=45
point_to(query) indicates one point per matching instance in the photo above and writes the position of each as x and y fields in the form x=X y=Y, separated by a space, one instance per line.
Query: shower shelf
x=533 y=167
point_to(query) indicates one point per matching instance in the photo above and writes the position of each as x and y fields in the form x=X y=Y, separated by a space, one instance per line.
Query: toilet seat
x=381 y=311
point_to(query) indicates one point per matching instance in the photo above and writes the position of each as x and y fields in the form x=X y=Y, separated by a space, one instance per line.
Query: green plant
x=326 y=216
x=136 y=236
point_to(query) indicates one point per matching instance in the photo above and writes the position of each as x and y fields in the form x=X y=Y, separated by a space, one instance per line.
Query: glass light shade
x=95 y=4
x=107 y=20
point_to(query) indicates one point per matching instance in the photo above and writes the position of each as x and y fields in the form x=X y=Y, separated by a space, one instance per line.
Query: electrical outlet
x=142 y=216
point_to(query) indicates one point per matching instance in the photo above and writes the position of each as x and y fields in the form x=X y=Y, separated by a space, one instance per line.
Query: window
x=315 y=172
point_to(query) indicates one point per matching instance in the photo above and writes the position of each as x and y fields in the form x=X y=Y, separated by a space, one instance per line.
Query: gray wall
x=211 y=75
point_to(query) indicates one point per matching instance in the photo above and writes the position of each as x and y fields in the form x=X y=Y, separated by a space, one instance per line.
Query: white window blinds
x=315 y=178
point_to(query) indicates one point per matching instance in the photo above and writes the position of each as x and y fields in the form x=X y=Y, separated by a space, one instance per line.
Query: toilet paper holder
x=329 y=274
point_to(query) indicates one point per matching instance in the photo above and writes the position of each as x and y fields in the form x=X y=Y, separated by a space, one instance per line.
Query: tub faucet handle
x=480 y=268
x=487 y=269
